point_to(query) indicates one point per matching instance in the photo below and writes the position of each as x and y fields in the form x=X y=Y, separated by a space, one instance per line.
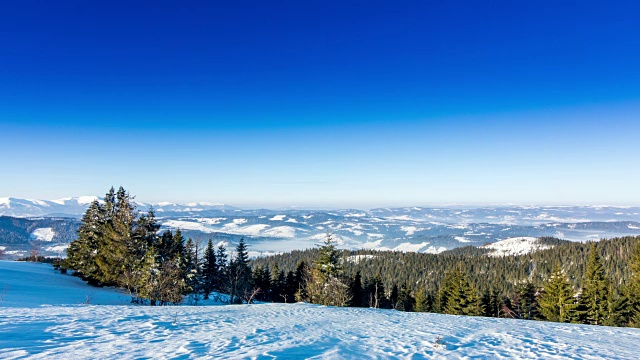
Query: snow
x=85 y=200
x=278 y=218
x=203 y=203
x=36 y=284
x=43 y=234
x=165 y=203
x=409 y=230
x=515 y=246
x=462 y=239
x=434 y=250
x=187 y=225
x=633 y=227
x=5 y=201
x=82 y=200
x=281 y=232
x=357 y=258
x=57 y=248
x=44 y=315
x=410 y=247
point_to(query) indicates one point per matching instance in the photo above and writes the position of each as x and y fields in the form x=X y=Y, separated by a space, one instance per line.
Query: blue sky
x=324 y=104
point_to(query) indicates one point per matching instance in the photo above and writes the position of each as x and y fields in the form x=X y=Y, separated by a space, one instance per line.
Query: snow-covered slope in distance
x=41 y=330
x=515 y=246
x=409 y=229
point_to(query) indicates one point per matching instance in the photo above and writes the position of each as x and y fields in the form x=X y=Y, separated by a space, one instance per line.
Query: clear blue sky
x=320 y=103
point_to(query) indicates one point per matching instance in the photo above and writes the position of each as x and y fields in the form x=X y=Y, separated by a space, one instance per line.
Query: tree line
x=586 y=288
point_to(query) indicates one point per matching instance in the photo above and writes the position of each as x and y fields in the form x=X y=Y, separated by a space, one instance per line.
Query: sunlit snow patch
x=515 y=246
x=43 y=234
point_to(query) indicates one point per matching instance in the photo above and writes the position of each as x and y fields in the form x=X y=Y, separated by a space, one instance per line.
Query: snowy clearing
x=515 y=246
x=34 y=324
x=43 y=234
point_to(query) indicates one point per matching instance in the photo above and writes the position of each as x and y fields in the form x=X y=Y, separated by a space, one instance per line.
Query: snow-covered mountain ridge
x=415 y=229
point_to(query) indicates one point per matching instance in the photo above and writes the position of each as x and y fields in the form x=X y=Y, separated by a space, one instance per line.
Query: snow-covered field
x=35 y=324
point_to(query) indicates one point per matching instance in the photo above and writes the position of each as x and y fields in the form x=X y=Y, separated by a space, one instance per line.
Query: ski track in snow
x=30 y=328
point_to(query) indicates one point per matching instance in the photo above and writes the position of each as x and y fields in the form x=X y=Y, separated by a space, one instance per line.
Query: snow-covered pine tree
x=221 y=268
x=192 y=267
x=81 y=252
x=325 y=286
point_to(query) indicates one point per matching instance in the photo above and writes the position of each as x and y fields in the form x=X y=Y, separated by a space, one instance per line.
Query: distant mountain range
x=418 y=229
x=76 y=206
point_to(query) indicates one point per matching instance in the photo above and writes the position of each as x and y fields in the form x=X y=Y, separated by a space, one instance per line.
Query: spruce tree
x=557 y=301
x=191 y=267
x=634 y=288
x=209 y=270
x=357 y=291
x=81 y=252
x=275 y=291
x=325 y=286
x=405 y=300
x=457 y=296
x=595 y=289
x=290 y=287
x=239 y=274
x=114 y=254
x=221 y=268
x=525 y=301
x=423 y=301
x=300 y=281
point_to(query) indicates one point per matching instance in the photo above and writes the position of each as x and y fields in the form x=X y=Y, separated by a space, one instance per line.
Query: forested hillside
x=501 y=273
x=21 y=231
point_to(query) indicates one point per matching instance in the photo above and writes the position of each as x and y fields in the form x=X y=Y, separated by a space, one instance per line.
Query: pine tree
x=114 y=253
x=618 y=309
x=393 y=296
x=595 y=291
x=457 y=296
x=405 y=300
x=209 y=270
x=261 y=280
x=557 y=301
x=357 y=291
x=239 y=274
x=300 y=281
x=423 y=301
x=275 y=289
x=525 y=301
x=221 y=268
x=191 y=267
x=325 y=286
x=290 y=287
x=374 y=292
x=82 y=251
x=634 y=288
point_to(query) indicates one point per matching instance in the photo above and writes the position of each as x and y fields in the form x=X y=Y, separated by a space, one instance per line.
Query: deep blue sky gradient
x=318 y=103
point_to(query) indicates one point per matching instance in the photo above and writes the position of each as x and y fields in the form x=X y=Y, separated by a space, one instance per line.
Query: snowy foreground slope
x=40 y=330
